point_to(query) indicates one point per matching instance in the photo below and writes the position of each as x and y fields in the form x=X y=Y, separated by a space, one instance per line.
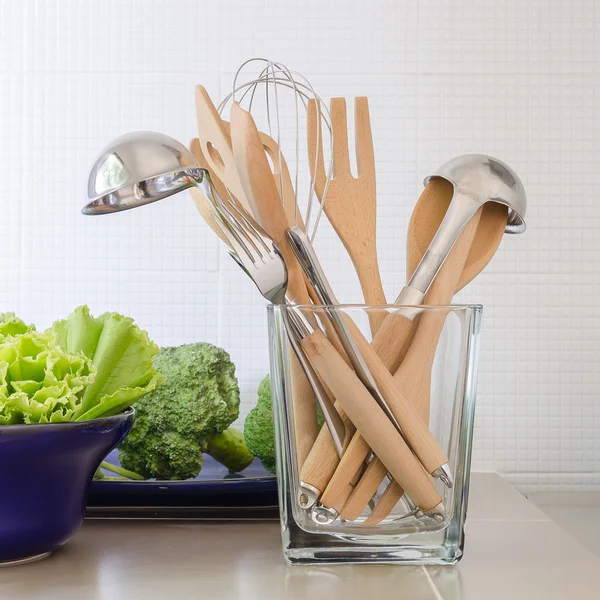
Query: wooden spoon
x=472 y=252
x=427 y=217
x=445 y=280
x=261 y=192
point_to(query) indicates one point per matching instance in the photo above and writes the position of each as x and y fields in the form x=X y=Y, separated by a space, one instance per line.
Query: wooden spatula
x=258 y=185
x=215 y=142
x=216 y=145
x=200 y=200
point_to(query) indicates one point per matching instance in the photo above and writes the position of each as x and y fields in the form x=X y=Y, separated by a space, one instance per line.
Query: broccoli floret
x=259 y=431
x=200 y=398
x=229 y=448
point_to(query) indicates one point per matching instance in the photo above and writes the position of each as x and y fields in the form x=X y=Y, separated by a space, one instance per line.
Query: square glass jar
x=437 y=374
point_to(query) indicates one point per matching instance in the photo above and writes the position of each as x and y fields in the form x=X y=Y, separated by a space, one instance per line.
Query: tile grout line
x=434 y=588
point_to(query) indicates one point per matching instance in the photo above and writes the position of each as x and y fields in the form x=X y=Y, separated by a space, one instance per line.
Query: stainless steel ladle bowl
x=477 y=179
x=139 y=168
x=487 y=179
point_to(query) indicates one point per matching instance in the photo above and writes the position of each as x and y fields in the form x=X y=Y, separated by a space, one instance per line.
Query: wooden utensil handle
x=369 y=278
x=416 y=433
x=371 y=480
x=330 y=332
x=321 y=462
x=414 y=374
x=366 y=488
x=377 y=430
x=323 y=459
x=304 y=410
x=376 y=317
x=340 y=487
x=393 y=340
x=386 y=503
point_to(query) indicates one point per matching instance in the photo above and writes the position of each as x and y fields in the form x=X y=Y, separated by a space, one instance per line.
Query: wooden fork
x=350 y=205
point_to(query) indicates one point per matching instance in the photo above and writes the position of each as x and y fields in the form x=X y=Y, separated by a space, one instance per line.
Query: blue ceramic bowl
x=45 y=471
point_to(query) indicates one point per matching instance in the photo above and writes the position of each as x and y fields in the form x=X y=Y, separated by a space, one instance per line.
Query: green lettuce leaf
x=39 y=381
x=122 y=355
x=81 y=368
x=11 y=325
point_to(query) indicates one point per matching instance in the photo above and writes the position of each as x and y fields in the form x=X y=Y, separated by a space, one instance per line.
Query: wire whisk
x=272 y=105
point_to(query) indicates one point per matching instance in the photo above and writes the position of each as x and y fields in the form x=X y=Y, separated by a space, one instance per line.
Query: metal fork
x=256 y=253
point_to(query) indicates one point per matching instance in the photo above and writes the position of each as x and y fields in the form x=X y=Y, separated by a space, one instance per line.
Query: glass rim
x=446 y=307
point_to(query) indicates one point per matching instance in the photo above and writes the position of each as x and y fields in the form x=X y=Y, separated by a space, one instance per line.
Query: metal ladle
x=476 y=179
x=143 y=167
x=139 y=168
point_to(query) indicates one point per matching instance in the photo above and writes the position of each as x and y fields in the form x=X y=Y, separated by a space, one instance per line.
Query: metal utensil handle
x=459 y=213
x=330 y=414
x=309 y=262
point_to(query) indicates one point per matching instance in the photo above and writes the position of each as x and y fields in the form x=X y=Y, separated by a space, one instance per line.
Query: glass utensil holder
x=333 y=511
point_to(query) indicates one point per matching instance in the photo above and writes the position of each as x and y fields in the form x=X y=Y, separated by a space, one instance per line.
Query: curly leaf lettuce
x=11 y=325
x=39 y=381
x=81 y=368
x=122 y=355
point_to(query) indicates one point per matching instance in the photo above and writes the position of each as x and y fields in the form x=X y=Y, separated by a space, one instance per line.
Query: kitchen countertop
x=513 y=550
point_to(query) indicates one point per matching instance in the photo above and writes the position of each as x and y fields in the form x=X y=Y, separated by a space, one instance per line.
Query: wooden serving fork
x=350 y=205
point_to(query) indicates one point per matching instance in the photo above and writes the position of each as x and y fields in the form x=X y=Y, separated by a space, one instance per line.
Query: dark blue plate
x=215 y=493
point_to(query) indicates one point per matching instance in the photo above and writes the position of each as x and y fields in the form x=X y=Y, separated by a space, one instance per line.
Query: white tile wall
x=519 y=79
